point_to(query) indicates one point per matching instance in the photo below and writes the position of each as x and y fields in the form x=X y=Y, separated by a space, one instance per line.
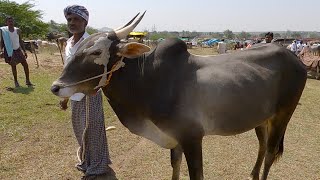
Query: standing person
x=293 y=47
x=269 y=37
x=89 y=129
x=12 y=43
x=299 y=47
x=222 y=47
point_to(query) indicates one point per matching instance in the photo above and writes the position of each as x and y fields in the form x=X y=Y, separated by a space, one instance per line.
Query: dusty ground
x=41 y=145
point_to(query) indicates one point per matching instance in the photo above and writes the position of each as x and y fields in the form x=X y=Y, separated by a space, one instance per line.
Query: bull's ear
x=133 y=50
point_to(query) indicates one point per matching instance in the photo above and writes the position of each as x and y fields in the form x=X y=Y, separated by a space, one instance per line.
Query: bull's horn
x=122 y=33
x=127 y=23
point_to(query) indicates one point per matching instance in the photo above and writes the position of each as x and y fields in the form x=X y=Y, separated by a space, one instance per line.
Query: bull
x=31 y=45
x=174 y=98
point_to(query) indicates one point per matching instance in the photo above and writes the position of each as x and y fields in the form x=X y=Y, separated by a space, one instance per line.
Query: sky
x=193 y=15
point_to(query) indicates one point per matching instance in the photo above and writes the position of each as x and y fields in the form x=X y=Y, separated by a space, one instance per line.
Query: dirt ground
x=46 y=148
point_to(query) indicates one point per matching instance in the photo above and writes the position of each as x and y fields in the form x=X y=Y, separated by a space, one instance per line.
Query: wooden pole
x=34 y=52
x=60 y=51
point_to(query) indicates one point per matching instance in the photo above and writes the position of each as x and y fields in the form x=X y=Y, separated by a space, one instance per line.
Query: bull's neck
x=128 y=83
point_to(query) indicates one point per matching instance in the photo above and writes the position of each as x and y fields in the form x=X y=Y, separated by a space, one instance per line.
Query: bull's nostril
x=55 y=89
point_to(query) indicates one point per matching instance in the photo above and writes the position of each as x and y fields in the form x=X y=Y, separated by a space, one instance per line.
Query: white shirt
x=222 y=47
x=14 y=38
x=69 y=52
x=293 y=47
x=299 y=47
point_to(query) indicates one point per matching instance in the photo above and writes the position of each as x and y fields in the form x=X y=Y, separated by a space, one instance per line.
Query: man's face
x=9 y=22
x=268 y=38
x=76 y=24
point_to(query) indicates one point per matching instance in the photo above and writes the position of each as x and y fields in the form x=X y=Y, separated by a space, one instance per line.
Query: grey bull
x=174 y=98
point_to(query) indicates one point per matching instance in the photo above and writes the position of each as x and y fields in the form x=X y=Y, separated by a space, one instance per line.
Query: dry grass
x=37 y=141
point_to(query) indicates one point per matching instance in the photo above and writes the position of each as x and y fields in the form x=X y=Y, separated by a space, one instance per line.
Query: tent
x=210 y=42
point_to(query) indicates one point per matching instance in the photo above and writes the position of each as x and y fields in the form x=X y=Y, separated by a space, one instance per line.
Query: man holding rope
x=87 y=111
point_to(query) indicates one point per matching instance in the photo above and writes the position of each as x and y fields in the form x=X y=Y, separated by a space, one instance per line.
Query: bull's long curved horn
x=127 y=23
x=122 y=33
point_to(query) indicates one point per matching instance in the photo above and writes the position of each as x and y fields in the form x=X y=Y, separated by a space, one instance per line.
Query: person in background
x=293 y=47
x=299 y=47
x=13 y=50
x=222 y=47
x=89 y=128
x=269 y=37
x=237 y=46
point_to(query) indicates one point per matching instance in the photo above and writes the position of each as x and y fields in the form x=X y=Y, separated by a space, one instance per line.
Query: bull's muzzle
x=55 y=89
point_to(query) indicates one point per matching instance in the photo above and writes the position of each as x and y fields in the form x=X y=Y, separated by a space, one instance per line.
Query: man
x=11 y=47
x=222 y=47
x=268 y=37
x=293 y=47
x=299 y=47
x=89 y=128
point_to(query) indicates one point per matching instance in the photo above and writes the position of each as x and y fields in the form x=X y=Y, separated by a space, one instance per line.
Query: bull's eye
x=96 y=53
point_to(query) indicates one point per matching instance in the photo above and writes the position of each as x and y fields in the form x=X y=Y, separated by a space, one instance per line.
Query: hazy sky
x=194 y=15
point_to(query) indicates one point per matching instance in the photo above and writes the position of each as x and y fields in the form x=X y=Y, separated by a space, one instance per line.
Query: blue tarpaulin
x=210 y=42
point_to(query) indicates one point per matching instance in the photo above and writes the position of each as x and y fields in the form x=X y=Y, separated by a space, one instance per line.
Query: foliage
x=244 y=35
x=228 y=34
x=217 y=35
x=314 y=35
x=261 y=35
x=165 y=34
x=276 y=35
x=27 y=19
x=91 y=30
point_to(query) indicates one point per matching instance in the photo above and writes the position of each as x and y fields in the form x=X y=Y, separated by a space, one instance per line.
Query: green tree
x=296 y=35
x=314 y=35
x=244 y=35
x=27 y=19
x=217 y=35
x=277 y=35
x=91 y=30
x=228 y=34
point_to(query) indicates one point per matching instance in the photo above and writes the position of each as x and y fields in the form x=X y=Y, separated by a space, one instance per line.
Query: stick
x=60 y=51
x=34 y=51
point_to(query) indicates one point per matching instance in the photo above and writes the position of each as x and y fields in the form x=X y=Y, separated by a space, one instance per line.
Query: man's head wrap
x=78 y=10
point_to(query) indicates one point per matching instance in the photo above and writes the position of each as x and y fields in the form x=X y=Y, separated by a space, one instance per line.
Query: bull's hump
x=172 y=46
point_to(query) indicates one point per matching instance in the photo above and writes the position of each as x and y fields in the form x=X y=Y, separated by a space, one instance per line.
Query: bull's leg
x=276 y=130
x=176 y=157
x=192 y=149
x=261 y=132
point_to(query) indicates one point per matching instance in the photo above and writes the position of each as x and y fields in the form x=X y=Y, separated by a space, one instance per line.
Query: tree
x=217 y=35
x=287 y=34
x=228 y=34
x=314 y=35
x=28 y=20
x=296 y=35
x=276 y=35
x=244 y=35
x=91 y=30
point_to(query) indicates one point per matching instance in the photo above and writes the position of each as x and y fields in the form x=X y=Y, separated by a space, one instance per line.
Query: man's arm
x=21 y=42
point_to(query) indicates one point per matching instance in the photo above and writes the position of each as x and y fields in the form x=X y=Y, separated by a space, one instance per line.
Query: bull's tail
x=280 y=150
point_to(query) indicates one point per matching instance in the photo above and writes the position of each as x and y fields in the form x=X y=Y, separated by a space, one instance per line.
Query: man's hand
x=64 y=104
